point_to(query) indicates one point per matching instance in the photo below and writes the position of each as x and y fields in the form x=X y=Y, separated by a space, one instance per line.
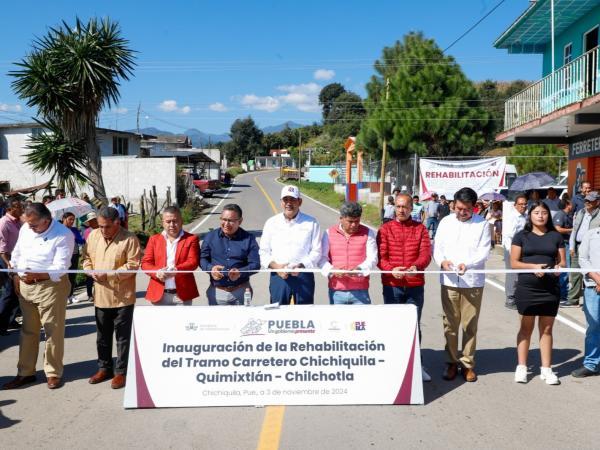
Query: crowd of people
x=456 y=235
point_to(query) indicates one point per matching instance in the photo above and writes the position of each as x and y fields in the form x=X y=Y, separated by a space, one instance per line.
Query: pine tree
x=432 y=110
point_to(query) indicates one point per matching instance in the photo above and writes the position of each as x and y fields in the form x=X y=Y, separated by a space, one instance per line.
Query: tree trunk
x=94 y=168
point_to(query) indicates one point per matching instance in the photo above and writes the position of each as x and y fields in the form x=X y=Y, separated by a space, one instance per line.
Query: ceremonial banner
x=295 y=355
x=447 y=177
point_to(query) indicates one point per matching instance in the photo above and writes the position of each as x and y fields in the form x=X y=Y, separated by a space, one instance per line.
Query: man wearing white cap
x=291 y=240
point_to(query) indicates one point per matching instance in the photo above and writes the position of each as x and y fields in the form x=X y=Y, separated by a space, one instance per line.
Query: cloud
x=171 y=106
x=5 y=107
x=324 y=74
x=304 y=97
x=120 y=110
x=268 y=103
x=218 y=107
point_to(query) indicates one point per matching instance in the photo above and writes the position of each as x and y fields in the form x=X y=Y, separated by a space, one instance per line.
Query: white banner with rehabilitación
x=447 y=177
x=292 y=355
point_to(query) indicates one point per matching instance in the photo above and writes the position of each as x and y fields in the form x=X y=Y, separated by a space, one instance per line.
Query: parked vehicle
x=206 y=187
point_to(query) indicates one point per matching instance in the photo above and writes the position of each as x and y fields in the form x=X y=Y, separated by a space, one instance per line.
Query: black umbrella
x=533 y=180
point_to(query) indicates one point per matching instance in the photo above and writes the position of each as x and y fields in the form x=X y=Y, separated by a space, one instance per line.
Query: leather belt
x=233 y=288
x=170 y=291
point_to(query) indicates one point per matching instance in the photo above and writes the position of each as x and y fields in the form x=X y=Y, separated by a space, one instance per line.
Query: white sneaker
x=76 y=300
x=426 y=377
x=70 y=300
x=548 y=376
x=521 y=374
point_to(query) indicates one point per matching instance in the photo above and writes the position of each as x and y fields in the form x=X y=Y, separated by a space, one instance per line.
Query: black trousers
x=117 y=321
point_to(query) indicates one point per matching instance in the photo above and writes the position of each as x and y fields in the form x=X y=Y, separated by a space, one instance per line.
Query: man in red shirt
x=404 y=247
x=172 y=250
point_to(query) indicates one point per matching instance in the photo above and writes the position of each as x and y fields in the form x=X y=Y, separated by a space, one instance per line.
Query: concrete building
x=124 y=172
x=563 y=107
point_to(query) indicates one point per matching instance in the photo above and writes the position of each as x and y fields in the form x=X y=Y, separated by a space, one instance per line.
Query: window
x=568 y=53
x=120 y=146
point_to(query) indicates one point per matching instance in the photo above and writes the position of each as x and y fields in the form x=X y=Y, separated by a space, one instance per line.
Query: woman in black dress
x=537 y=246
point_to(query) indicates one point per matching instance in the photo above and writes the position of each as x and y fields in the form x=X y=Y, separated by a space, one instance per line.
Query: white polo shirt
x=291 y=242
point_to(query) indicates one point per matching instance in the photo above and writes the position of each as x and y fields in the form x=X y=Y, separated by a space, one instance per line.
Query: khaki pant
x=43 y=304
x=461 y=309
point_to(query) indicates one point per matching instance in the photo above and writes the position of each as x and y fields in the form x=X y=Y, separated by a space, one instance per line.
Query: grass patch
x=319 y=191
x=371 y=214
x=235 y=171
x=324 y=193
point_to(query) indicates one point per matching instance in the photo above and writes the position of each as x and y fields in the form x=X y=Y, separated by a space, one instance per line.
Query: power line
x=473 y=27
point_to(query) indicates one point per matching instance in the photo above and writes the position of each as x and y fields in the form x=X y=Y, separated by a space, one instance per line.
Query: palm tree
x=71 y=74
x=64 y=160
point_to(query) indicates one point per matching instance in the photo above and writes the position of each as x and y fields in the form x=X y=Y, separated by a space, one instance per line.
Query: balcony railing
x=570 y=84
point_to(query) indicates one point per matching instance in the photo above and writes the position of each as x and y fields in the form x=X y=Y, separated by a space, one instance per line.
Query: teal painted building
x=563 y=107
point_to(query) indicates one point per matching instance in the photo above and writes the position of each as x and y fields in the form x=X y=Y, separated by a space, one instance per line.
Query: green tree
x=326 y=97
x=492 y=96
x=346 y=115
x=246 y=140
x=71 y=74
x=272 y=141
x=432 y=110
x=63 y=160
x=536 y=158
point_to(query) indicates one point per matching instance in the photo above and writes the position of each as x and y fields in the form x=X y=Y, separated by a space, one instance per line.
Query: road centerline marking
x=270 y=432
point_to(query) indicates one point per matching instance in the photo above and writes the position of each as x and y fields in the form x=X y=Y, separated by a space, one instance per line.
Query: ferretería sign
x=586 y=147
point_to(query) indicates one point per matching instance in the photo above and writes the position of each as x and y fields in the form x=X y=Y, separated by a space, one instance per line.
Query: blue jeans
x=432 y=224
x=564 y=277
x=353 y=297
x=393 y=295
x=591 y=308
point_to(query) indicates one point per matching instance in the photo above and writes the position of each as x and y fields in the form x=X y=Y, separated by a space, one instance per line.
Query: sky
x=202 y=64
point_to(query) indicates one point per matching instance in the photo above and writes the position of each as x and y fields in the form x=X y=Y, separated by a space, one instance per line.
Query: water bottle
x=247 y=297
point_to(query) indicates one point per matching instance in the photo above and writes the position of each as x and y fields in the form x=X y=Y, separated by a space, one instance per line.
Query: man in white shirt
x=43 y=245
x=291 y=240
x=586 y=219
x=513 y=221
x=462 y=243
x=589 y=259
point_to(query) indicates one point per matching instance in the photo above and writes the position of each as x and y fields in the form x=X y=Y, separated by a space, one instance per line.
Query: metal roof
x=531 y=32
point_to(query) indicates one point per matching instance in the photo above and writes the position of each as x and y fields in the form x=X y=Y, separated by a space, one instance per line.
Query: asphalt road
x=494 y=412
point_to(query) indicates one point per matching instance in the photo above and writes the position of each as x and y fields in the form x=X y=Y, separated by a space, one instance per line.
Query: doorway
x=590 y=42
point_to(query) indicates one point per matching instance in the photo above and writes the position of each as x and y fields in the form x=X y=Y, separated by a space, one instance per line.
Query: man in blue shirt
x=228 y=253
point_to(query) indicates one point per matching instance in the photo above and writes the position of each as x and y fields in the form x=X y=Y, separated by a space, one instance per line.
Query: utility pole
x=552 y=31
x=383 y=156
x=299 y=155
x=137 y=120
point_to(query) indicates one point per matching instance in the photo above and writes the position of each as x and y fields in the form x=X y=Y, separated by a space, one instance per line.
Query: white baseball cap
x=290 y=191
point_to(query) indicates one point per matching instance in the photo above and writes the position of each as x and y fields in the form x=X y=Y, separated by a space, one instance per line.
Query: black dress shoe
x=583 y=372
x=18 y=382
